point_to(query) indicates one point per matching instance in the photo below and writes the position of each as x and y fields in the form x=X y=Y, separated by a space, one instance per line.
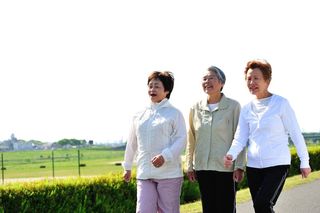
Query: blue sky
x=78 y=69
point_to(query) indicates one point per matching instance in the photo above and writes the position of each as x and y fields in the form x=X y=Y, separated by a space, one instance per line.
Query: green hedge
x=314 y=154
x=99 y=194
x=103 y=194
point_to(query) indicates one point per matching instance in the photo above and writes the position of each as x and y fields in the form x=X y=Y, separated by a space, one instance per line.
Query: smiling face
x=210 y=83
x=256 y=83
x=156 y=91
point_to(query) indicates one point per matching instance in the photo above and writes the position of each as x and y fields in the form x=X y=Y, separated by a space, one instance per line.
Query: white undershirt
x=213 y=107
x=259 y=106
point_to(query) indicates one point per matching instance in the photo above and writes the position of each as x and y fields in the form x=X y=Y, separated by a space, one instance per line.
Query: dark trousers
x=218 y=191
x=265 y=186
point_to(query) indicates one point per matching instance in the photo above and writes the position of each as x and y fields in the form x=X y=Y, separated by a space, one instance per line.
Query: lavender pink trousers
x=159 y=195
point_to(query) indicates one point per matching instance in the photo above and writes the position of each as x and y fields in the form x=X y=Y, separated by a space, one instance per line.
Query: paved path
x=304 y=198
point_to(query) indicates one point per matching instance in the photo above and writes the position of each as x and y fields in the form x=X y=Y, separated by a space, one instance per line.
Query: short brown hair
x=261 y=64
x=166 y=78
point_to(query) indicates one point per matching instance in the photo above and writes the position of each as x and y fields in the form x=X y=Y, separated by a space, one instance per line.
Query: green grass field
x=32 y=164
x=38 y=163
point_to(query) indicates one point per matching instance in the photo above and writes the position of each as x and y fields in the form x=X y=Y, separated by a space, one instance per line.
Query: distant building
x=14 y=144
x=6 y=145
x=23 y=145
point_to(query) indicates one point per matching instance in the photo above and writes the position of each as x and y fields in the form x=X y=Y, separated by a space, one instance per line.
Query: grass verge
x=244 y=194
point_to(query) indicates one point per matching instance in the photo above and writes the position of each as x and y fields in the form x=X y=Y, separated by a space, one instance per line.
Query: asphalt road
x=301 y=199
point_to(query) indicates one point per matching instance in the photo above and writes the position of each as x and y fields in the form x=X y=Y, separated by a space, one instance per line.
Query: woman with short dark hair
x=157 y=138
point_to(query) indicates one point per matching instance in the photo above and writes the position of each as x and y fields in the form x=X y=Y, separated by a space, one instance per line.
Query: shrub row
x=108 y=193
x=99 y=194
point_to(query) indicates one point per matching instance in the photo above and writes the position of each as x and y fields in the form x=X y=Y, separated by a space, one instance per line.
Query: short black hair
x=167 y=79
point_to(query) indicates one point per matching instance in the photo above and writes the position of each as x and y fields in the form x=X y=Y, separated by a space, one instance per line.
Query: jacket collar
x=223 y=104
x=164 y=103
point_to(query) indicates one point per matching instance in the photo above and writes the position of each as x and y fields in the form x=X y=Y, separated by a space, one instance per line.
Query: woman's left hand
x=238 y=175
x=157 y=161
x=305 y=172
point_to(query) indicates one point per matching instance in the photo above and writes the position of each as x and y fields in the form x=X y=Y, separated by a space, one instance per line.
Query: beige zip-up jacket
x=210 y=136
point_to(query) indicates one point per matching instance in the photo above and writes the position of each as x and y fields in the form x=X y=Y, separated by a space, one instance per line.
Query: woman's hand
x=305 y=172
x=192 y=176
x=127 y=175
x=228 y=161
x=238 y=175
x=157 y=161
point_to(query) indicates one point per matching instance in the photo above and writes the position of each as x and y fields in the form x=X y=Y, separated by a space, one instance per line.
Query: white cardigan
x=159 y=129
x=267 y=137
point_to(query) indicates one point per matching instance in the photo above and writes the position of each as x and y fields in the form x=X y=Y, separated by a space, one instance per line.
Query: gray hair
x=220 y=75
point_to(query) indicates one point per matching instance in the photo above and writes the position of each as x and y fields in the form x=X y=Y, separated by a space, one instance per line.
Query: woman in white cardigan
x=264 y=127
x=157 y=139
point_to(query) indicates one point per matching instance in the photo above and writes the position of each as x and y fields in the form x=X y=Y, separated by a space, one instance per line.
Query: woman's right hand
x=191 y=176
x=127 y=175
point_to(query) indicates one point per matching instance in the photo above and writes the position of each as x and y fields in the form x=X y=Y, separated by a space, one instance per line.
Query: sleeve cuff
x=239 y=167
x=304 y=164
x=126 y=166
x=167 y=155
